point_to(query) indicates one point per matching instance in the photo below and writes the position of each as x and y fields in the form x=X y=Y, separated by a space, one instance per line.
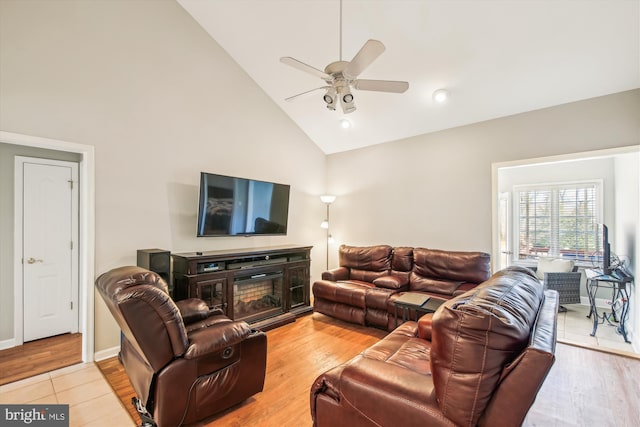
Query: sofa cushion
x=553 y=265
x=472 y=267
x=475 y=335
x=366 y=275
x=403 y=348
x=402 y=259
x=366 y=258
x=423 y=284
x=391 y=282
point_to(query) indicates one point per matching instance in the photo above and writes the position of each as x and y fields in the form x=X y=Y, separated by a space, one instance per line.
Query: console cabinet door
x=212 y=291
x=298 y=281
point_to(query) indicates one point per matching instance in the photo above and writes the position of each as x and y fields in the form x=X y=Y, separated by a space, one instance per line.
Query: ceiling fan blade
x=381 y=85
x=291 y=98
x=306 y=68
x=365 y=56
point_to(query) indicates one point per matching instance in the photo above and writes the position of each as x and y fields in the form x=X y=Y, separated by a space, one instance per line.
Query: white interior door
x=49 y=255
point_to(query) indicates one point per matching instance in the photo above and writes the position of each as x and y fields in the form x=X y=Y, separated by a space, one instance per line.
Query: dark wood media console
x=267 y=287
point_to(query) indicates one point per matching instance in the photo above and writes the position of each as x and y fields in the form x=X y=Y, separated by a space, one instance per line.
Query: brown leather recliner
x=480 y=359
x=185 y=362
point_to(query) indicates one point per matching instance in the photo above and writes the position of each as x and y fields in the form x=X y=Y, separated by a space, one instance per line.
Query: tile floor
x=574 y=328
x=93 y=403
x=91 y=400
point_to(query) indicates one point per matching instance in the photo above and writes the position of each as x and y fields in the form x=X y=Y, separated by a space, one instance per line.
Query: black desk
x=619 y=299
x=421 y=303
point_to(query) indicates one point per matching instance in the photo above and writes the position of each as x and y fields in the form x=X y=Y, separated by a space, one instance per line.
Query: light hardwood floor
x=584 y=387
x=40 y=356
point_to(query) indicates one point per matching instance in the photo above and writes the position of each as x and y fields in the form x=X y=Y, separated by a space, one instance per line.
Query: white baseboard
x=5 y=344
x=105 y=354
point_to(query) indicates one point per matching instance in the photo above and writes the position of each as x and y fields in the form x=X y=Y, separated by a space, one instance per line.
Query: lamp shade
x=328 y=199
x=324 y=224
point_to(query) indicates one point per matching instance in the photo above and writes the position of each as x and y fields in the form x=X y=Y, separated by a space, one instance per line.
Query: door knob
x=33 y=260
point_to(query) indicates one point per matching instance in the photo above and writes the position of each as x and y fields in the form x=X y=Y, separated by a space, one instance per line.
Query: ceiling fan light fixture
x=440 y=96
x=330 y=98
x=346 y=100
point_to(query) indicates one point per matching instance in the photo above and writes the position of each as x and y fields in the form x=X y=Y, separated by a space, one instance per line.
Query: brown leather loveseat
x=370 y=278
x=480 y=359
x=185 y=362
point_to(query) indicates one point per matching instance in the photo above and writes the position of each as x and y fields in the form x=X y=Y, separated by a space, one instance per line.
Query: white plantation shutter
x=559 y=220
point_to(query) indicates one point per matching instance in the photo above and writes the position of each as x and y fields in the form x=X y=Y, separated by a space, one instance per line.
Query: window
x=559 y=220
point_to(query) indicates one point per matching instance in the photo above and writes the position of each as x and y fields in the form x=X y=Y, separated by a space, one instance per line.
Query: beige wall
x=435 y=189
x=160 y=101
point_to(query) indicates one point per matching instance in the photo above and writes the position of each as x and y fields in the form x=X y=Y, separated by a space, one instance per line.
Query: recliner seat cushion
x=350 y=292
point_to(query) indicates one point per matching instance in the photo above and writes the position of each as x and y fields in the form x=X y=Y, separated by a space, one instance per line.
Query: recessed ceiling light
x=440 y=95
x=345 y=124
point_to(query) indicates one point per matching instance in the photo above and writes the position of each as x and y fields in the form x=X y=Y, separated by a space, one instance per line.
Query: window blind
x=559 y=221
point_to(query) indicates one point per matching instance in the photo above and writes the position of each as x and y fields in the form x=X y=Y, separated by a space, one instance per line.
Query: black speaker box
x=158 y=261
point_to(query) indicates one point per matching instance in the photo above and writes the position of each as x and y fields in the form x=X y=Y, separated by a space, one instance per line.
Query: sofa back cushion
x=444 y=271
x=522 y=378
x=366 y=263
x=475 y=335
x=402 y=262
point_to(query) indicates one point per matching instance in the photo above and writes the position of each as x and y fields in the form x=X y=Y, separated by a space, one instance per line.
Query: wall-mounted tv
x=606 y=249
x=231 y=206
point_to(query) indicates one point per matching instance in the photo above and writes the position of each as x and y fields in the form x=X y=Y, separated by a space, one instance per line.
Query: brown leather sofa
x=480 y=359
x=363 y=289
x=185 y=362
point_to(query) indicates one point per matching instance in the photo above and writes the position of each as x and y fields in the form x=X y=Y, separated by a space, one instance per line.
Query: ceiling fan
x=341 y=76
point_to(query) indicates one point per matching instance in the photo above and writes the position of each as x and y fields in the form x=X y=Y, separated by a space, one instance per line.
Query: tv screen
x=231 y=206
x=606 y=249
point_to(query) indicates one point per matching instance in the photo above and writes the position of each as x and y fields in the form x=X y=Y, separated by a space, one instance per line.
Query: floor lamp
x=327 y=200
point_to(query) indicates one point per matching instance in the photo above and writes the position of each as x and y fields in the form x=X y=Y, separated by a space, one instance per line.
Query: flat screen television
x=606 y=249
x=232 y=206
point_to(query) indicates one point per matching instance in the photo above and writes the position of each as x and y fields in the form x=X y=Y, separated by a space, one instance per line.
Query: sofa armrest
x=424 y=326
x=217 y=337
x=340 y=273
x=194 y=309
x=391 y=282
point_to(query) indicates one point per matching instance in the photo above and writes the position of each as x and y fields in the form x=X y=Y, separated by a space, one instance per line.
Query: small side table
x=420 y=303
x=618 y=284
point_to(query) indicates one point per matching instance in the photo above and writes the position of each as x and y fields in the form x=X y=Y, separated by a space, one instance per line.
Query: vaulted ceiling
x=495 y=57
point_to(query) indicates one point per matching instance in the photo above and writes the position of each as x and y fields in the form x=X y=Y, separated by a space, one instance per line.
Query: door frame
x=18 y=292
x=86 y=222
